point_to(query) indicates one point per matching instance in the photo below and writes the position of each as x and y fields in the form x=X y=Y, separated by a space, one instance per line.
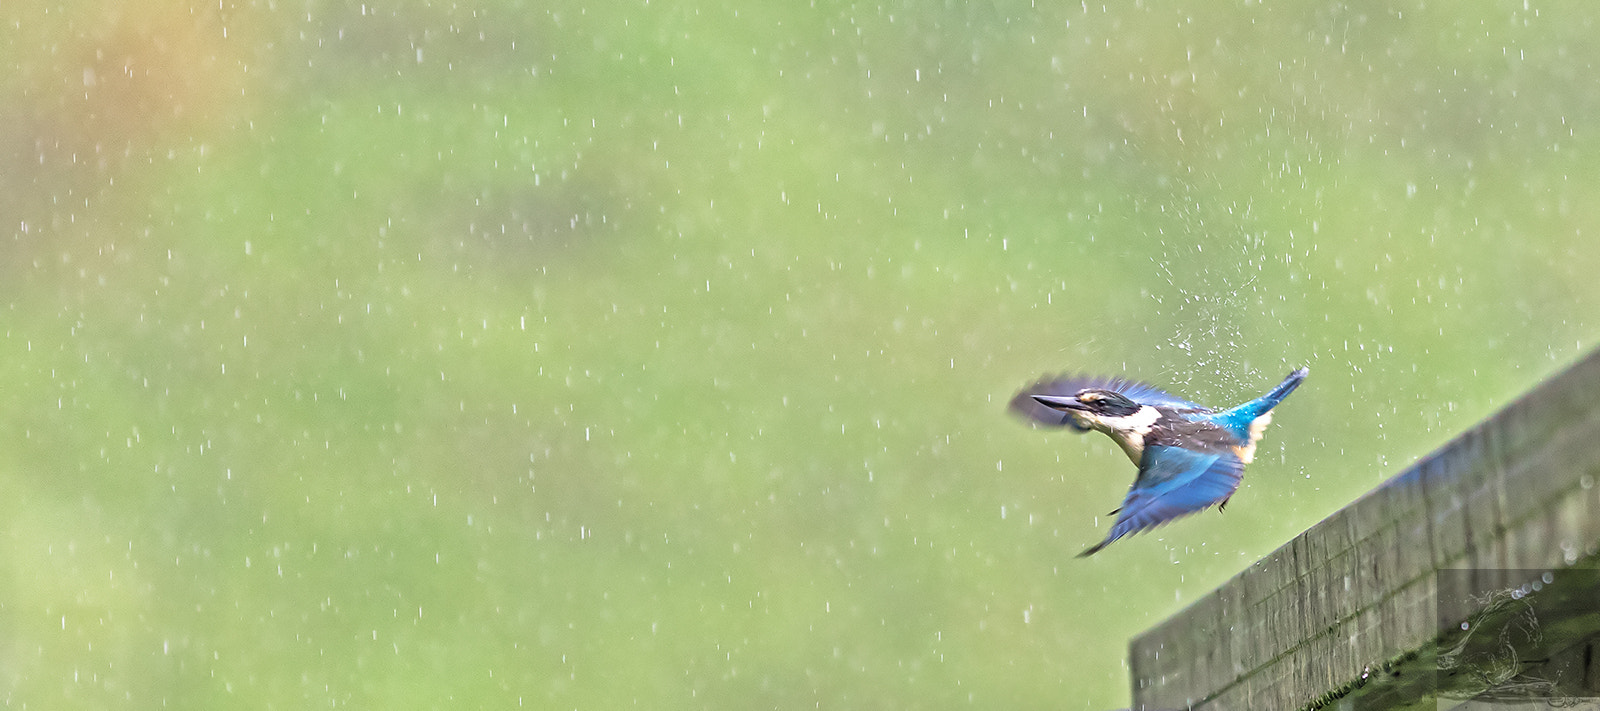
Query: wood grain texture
x=1347 y=614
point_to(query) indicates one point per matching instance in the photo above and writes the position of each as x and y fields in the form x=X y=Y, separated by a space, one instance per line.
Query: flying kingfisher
x=1190 y=457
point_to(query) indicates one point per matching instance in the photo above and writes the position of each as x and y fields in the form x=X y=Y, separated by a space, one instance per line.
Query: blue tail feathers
x=1241 y=416
x=1277 y=394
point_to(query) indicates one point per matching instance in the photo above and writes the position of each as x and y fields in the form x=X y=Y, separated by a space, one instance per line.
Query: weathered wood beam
x=1350 y=615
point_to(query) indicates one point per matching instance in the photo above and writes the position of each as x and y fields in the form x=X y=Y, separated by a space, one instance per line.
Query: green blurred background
x=654 y=355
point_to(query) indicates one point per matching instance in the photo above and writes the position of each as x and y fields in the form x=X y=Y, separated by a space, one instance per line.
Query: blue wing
x=1174 y=482
x=1069 y=385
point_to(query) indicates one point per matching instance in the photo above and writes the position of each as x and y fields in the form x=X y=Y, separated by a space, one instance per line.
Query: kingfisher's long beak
x=1060 y=403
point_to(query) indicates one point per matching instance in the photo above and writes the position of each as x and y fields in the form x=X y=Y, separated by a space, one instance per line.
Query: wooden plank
x=1349 y=614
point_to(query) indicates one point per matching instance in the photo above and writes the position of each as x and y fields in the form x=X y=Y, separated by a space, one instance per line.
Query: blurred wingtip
x=1024 y=405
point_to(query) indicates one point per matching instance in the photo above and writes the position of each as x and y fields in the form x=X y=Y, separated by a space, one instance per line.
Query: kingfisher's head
x=1105 y=410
